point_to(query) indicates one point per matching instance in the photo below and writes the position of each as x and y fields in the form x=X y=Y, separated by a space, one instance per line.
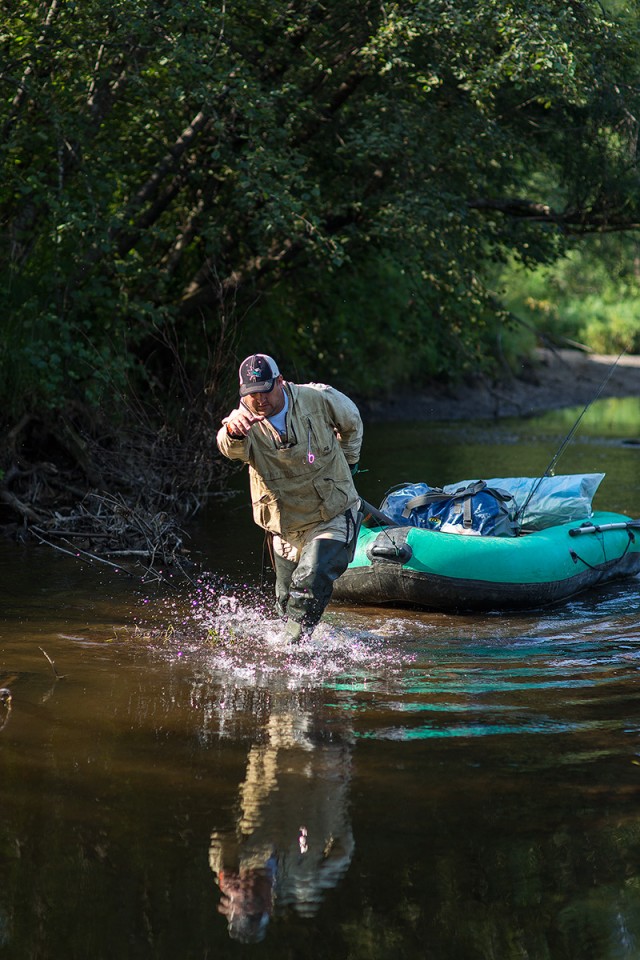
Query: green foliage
x=332 y=332
x=168 y=166
x=590 y=296
x=612 y=327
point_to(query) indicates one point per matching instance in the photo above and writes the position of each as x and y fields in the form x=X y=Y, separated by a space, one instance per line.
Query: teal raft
x=408 y=565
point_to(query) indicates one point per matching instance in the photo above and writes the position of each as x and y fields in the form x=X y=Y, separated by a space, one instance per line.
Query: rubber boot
x=321 y=563
x=284 y=571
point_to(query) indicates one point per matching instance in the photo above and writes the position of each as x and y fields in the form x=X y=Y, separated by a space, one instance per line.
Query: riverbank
x=551 y=380
x=85 y=498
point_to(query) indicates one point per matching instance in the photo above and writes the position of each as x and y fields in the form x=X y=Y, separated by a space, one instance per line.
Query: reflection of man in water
x=246 y=897
x=293 y=838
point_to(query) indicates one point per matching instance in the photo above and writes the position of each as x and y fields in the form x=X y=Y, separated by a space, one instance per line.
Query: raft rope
x=567 y=440
x=576 y=556
x=631 y=539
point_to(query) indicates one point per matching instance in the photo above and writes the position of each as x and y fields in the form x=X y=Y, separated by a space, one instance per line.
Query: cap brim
x=265 y=387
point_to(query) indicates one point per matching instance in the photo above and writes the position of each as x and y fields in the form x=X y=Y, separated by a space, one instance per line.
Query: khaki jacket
x=305 y=479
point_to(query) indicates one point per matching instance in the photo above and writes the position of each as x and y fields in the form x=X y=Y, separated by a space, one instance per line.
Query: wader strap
x=353 y=540
x=269 y=545
x=267 y=548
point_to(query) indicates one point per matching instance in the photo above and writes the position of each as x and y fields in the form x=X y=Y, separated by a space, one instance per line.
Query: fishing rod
x=567 y=440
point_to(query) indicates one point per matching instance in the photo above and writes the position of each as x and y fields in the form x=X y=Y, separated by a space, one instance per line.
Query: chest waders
x=303 y=589
x=300 y=480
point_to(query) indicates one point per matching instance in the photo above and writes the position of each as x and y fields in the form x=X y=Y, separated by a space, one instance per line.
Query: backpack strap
x=471 y=491
x=467 y=516
x=437 y=495
x=434 y=496
x=501 y=495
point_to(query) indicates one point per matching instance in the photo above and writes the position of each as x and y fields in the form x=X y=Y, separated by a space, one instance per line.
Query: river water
x=175 y=782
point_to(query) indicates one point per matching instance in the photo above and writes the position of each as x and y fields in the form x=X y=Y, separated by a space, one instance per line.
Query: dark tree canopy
x=182 y=180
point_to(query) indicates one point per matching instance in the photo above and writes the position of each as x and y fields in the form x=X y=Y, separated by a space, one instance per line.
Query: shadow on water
x=178 y=782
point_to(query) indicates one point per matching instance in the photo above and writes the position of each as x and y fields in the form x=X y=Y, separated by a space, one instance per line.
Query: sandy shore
x=558 y=378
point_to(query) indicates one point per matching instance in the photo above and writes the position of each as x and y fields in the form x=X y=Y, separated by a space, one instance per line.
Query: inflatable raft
x=408 y=565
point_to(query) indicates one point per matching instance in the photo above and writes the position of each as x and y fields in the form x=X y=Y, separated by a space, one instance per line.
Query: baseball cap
x=257 y=374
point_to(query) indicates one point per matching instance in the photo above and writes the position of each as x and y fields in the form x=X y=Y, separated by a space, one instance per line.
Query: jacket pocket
x=320 y=438
x=266 y=512
x=335 y=496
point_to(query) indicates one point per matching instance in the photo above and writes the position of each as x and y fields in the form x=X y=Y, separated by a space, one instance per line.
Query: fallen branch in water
x=153 y=539
x=53 y=666
x=19 y=507
x=80 y=554
x=106 y=493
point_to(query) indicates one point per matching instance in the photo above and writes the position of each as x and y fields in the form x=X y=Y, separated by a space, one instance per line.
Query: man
x=302 y=444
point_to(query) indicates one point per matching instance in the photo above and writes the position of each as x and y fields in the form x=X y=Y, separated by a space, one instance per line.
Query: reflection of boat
x=452 y=572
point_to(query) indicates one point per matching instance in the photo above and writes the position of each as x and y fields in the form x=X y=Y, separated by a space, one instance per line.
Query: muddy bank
x=552 y=379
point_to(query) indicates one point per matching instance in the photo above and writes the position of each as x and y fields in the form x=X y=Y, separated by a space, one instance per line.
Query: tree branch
x=23 y=84
x=570 y=221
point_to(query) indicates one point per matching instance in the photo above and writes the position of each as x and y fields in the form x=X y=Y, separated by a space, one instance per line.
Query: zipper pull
x=310 y=456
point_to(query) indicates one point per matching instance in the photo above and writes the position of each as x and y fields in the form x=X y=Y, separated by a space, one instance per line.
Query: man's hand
x=240 y=421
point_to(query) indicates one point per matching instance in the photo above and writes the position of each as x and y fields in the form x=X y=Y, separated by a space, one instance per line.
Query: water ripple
x=568 y=670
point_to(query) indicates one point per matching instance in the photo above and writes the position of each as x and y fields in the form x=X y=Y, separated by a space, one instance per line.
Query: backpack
x=476 y=509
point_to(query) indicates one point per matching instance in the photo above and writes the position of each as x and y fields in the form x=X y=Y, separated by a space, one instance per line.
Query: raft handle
x=390 y=551
x=628 y=525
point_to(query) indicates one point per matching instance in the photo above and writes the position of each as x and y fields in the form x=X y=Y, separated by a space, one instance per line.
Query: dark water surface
x=175 y=782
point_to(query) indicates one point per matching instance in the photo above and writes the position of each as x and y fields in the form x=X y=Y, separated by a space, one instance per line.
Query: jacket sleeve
x=230 y=448
x=346 y=419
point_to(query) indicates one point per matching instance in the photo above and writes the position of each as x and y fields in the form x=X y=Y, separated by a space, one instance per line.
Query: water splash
x=390 y=670
x=232 y=632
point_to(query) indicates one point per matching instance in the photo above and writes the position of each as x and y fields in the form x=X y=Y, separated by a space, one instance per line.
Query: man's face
x=266 y=404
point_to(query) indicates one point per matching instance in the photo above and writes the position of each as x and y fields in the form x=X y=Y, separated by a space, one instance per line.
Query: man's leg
x=321 y=563
x=284 y=569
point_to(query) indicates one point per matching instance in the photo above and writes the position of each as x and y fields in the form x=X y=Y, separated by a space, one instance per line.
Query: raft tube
x=400 y=565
